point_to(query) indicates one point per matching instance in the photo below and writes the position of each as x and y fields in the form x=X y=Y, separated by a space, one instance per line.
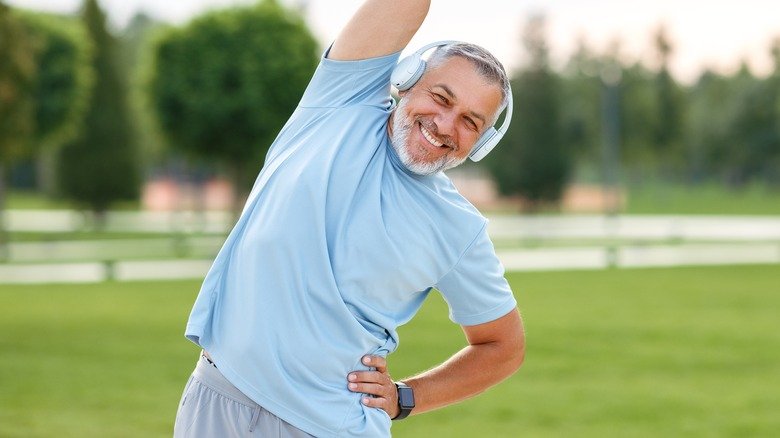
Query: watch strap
x=405 y=400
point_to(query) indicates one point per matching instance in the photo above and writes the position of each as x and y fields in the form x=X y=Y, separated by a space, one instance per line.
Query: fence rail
x=635 y=227
x=70 y=221
x=192 y=240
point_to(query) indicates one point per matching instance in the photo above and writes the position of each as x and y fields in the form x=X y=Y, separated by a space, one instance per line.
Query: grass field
x=619 y=353
x=660 y=198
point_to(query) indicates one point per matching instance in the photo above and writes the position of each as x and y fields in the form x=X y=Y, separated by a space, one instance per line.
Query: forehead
x=470 y=88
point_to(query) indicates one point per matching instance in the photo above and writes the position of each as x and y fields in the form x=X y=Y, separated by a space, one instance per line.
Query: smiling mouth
x=431 y=139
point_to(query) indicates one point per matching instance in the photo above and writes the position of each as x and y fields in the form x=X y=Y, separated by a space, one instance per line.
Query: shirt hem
x=491 y=315
x=272 y=406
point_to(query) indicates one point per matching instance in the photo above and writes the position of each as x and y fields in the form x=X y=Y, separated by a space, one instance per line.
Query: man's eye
x=472 y=124
x=440 y=98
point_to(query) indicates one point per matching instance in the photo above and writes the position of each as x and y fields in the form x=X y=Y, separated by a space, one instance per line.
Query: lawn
x=656 y=352
x=667 y=198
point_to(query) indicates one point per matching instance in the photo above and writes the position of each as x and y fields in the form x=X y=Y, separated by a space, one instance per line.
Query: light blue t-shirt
x=337 y=246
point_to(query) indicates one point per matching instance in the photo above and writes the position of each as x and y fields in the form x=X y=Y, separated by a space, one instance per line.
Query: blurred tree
x=534 y=162
x=638 y=117
x=580 y=115
x=17 y=79
x=772 y=160
x=63 y=79
x=224 y=85
x=101 y=165
x=61 y=87
x=17 y=103
x=136 y=42
x=753 y=131
x=707 y=132
x=670 y=111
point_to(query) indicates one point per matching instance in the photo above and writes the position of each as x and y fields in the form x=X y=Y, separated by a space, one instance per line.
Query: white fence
x=635 y=227
x=621 y=241
x=118 y=221
x=750 y=228
x=639 y=256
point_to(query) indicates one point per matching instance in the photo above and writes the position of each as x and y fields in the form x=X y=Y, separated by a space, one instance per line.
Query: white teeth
x=430 y=138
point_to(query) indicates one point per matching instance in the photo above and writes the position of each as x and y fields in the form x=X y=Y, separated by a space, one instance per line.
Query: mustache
x=434 y=130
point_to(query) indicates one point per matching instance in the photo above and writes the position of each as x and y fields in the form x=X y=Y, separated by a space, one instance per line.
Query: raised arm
x=379 y=27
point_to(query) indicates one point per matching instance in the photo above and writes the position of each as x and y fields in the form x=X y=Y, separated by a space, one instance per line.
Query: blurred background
x=635 y=203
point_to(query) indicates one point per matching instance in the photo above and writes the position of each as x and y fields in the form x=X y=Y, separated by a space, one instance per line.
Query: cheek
x=467 y=138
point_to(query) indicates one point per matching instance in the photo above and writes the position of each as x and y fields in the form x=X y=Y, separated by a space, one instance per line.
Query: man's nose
x=445 y=123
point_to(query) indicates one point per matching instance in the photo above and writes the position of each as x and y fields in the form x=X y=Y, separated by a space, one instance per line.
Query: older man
x=349 y=226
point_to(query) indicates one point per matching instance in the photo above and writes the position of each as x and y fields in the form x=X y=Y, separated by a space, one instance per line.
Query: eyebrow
x=455 y=98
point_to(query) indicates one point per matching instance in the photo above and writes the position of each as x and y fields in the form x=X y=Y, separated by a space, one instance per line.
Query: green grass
x=659 y=198
x=623 y=353
x=32 y=200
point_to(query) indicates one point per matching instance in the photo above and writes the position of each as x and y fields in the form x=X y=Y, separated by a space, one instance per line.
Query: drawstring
x=255 y=419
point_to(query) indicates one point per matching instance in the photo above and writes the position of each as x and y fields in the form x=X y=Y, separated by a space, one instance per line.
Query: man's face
x=442 y=116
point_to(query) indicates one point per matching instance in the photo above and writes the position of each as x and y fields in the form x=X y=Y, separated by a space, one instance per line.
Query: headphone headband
x=429 y=46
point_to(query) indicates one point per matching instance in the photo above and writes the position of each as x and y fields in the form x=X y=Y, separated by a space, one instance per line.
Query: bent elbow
x=518 y=356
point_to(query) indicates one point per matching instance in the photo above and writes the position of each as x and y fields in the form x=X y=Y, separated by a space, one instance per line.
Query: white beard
x=402 y=129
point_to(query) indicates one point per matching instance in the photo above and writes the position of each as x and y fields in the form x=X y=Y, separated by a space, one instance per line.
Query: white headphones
x=410 y=69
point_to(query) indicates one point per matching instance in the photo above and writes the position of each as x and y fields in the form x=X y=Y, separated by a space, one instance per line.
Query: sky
x=714 y=34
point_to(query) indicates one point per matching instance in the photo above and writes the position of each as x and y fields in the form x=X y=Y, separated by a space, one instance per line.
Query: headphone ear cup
x=407 y=72
x=487 y=141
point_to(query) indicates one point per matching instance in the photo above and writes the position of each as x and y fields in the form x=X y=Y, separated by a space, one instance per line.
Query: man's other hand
x=378 y=386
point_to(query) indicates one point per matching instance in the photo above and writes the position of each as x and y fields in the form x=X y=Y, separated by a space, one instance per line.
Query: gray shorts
x=212 y=407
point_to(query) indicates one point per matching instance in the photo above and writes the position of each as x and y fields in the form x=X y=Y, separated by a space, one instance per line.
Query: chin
x=422 y=167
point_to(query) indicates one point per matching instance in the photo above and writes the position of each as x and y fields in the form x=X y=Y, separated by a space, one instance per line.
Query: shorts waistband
x=208 y=374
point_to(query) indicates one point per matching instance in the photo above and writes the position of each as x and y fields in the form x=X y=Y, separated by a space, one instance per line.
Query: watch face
x=405 y=397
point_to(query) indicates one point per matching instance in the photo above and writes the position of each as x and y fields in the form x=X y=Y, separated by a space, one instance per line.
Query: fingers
x=378 y=362
x=378 y=396
x=374 y=389
x=389 y=406
x=370 y=382
x=368 y=376
x=378 y=386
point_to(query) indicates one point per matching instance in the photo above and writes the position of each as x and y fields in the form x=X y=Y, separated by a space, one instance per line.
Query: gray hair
x=485 y=63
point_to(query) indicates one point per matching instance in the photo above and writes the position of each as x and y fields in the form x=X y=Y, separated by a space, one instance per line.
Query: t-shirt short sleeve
x=337 y=84
x=475 y=289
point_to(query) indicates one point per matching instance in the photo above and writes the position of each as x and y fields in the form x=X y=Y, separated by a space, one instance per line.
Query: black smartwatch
x=405 y=400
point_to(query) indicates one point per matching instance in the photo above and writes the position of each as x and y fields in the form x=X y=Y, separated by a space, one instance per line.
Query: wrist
x=405 y=400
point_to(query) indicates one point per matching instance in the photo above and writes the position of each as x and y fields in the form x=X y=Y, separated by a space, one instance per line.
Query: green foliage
x=533 y=161
x=720 y=129
x=64 y=77
x=17 y=78
x=754 y=131
x=17 y=102
x=581 y=97
x=738 y=143
x=224 y=85
x=670 y=116
x=706 y=134
x=638 y=111
x=136 y=42
x=101 y=165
